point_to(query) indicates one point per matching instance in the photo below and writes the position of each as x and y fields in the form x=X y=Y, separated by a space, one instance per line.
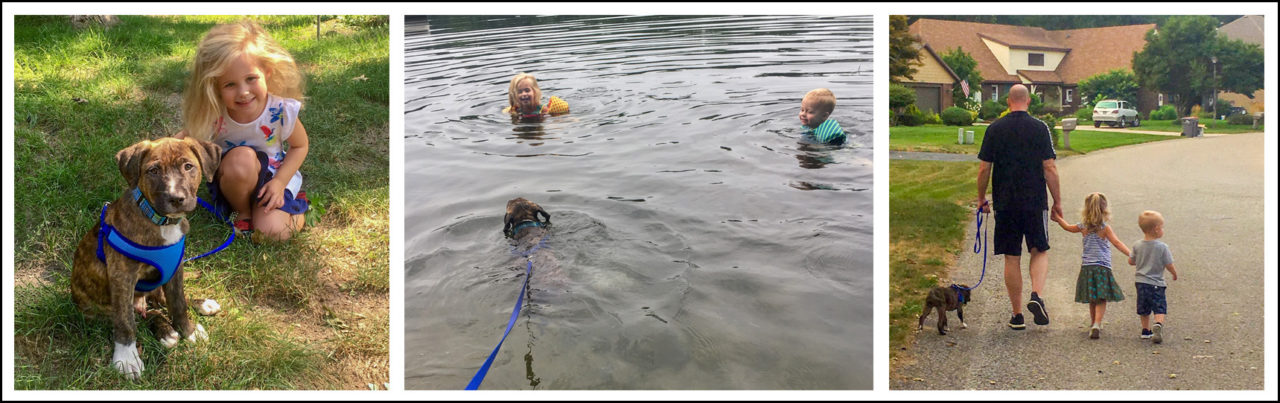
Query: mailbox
x=1069 y=124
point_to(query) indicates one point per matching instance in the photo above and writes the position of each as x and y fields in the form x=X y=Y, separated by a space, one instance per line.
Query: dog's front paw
x=964 y=325
x=207 y=307
x=198 y=335
x=170 y=340
x=127 y=360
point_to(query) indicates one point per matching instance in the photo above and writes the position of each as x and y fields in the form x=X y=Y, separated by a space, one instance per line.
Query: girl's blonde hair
x=1095 y=212
x=511 y=90
x=201 y=103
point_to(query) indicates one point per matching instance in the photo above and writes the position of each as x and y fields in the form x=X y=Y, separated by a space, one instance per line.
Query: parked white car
x=1114 y=113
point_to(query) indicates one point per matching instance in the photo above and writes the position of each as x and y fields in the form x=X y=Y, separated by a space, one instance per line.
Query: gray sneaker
x=1156 y=336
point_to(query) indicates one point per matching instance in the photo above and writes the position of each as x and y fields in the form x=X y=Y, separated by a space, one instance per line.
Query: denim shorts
x=1151 y=300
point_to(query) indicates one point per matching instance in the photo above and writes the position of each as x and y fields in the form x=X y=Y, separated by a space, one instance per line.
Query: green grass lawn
x=310 y=313
x=939 y=138
x=929 y=206
x=1210 y=126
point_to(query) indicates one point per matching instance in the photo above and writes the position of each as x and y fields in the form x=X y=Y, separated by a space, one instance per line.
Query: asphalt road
x=1210 y=191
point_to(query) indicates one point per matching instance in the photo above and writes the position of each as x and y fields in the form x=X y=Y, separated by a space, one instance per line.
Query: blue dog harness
x=166 y=259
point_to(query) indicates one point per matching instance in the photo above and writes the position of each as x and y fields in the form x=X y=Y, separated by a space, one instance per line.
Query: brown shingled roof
x=1041 y=77
x=1099 y=50
x=1089 y=51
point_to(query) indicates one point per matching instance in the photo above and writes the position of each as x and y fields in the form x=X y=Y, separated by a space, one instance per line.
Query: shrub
x=1166 y=112
x=1052 y=121
x=990 y=110
x=900 y=96
x=955 y=116
x=1084 y=115
x=912 y=117
x=1240 y=119
x=1034 y=108
x=932 y=118
x=893 y=118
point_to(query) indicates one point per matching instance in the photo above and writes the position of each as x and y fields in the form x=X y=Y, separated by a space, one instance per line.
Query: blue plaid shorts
x=1151 y=300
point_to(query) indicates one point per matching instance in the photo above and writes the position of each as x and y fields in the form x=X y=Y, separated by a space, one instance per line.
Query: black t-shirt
x=1016 y=146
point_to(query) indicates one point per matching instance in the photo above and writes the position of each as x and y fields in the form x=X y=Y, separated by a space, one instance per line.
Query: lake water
x=701 y=243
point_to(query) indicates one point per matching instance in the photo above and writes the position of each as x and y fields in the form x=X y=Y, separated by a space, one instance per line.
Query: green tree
x=966 y=68
x=904 y=52
x=1178 y=59
x=900 y=97
x=1114 y=84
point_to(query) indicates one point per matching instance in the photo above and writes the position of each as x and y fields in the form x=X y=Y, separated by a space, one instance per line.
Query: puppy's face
x=168 y=171
x=520 y=210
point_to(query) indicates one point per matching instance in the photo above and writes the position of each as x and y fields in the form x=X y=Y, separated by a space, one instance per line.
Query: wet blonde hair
x=201 y=103
x=1095 y=212
x=826 y=100
x=1149 y=220
x=511 y=90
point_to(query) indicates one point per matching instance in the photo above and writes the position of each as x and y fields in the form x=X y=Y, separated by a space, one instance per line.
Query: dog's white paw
x=964 y=325
x=208 y=308
x=127 y=360
x=198 y=335
x=170 y=340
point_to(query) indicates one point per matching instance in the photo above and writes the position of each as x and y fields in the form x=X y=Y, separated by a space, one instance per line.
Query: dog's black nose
x=177 y=201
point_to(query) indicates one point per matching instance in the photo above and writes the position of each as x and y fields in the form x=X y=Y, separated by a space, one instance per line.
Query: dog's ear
x=130 y=161
x=544 y=214
x=506 y=225
x=209 y=154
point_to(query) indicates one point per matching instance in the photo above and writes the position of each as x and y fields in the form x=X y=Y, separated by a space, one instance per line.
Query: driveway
x=1210 y=191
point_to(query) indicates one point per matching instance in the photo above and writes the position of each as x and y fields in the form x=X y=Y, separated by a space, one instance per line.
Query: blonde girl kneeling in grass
x=244 y=95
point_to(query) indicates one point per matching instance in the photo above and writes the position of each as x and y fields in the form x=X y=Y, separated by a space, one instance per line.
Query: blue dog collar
x=522 y=225
x=165 y=259
x=149 y=211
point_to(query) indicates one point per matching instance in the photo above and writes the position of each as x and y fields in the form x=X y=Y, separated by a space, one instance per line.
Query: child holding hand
x=1152 y=258
x=1096 y=284
x=244 y=95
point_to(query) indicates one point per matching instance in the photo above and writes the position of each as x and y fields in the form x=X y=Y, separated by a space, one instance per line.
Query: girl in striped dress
x=1096 y=285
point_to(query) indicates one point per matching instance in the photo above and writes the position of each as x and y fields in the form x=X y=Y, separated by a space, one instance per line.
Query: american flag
x=964 y=85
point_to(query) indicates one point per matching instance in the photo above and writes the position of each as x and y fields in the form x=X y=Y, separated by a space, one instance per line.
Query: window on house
x=1160 y=100
x=1035 y=59
x=1069 y=93
x=995 y=93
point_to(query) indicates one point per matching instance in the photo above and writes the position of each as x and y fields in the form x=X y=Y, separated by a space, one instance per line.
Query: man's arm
x=984 y=175
x=1051 y=179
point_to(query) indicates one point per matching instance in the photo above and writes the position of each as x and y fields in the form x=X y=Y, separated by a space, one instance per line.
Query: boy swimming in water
x=815 y=110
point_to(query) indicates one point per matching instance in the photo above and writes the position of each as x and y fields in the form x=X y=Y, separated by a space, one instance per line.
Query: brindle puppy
x=167 y=172
x=521 y=224
x=944 y=299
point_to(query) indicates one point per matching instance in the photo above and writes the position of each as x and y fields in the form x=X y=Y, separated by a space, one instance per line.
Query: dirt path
x=1210 y=191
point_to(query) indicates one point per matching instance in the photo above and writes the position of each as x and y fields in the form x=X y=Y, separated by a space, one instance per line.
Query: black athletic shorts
x=1013 y=226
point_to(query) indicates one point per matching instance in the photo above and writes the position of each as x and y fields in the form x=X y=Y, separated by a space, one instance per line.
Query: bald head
x=1019 y=98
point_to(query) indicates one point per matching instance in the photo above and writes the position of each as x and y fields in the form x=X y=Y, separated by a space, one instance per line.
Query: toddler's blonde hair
x=201 y=103
x=511 y=90
x=1149 y=220
x=826 y=100
x=1095 y=212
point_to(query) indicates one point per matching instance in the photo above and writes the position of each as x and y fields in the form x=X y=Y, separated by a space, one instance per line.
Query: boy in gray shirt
x=1152 y=258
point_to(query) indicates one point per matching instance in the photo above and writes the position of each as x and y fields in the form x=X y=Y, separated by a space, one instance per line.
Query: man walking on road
x=1018 y=157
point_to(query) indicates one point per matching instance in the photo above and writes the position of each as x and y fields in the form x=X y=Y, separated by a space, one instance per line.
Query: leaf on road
x=1116 y=362
x=1172 y=376
x=917 y=379
x=1202 y=356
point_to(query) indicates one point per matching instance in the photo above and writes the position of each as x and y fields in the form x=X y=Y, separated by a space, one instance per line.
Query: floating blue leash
x=528 y=272
x=979 y=243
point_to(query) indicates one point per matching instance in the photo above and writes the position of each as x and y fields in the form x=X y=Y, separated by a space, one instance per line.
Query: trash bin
x=1257 y=120
x=1191 y=126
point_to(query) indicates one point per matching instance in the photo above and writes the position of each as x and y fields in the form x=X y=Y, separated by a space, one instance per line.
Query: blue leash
x=979 y=242
x=227 y=220
x=528 y=272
